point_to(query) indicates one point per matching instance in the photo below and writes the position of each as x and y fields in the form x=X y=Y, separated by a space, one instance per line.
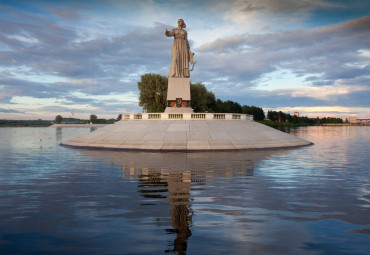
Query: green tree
x=331 y=120
x=257 y=112
x=100 y=121
x=211 y=102
x=289 y=118
x=119 y=117
x=58 y=119
x=93 y=118
x=153 y=92
x=295 y=119
x=202 y=100
x=273 y=116
x=281 y=116
x=228 y=106
x=233 y=107
x=246 y=109
x=198 y=95
x=220 y=107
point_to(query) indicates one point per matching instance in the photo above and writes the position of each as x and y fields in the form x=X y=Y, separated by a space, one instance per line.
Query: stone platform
x=153 y=133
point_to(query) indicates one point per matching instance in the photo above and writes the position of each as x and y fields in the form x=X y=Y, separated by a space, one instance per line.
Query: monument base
x=170 y=134
x=178 y=95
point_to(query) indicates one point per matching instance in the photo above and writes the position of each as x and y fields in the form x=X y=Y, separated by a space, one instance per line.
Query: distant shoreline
x=79 y=125
x=287 y=124
x=25 y=123
x=346 y=124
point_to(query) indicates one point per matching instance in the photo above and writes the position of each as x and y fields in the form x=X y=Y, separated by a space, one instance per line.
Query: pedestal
x=178 y=95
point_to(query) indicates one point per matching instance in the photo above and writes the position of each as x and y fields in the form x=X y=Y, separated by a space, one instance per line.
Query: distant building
x=363 y=121
x=353 y=118
x=296 y=114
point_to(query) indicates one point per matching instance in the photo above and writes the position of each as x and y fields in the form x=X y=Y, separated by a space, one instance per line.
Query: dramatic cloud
x=69 y=13
x=326 y=56
x=282 y=5
x=77 y=56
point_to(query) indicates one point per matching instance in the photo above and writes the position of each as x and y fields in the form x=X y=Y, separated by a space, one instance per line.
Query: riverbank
x=284 y=124
x=25 y=123
x=346 y=124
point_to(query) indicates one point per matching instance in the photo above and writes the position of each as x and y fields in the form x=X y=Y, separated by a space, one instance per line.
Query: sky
x=75 y=58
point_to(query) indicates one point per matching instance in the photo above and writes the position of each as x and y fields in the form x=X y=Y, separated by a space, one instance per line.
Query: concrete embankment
x=186 y=135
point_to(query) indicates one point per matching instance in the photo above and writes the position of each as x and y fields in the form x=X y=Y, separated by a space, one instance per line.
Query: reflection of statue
x=175 y=173
x=179 y=194
x=181 y=53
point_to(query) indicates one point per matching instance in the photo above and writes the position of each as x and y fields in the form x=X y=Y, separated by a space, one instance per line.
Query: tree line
x=93 y=119
x=282 y=117
x=153 y=97
x=25 y=123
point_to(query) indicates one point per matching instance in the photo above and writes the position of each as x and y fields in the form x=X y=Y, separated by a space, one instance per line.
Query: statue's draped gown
x=180 y=53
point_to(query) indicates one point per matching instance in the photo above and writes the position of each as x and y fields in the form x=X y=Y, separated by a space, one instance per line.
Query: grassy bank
x=25 y=123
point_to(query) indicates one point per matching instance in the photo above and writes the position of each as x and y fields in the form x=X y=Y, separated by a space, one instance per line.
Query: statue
x=181 y=53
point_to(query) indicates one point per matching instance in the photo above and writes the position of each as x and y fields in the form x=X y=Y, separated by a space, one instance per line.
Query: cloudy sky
x=77 y=58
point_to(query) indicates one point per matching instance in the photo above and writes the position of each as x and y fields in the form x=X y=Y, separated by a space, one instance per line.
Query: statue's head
x=181 y=23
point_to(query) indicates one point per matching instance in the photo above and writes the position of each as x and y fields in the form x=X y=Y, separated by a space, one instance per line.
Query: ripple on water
x=309 y=200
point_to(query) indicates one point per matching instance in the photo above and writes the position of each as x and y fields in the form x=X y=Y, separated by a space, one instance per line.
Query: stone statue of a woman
x=181 y=53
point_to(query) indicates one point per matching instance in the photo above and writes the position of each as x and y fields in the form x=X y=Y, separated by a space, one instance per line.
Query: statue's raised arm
x=169 y=33
x=181 y=53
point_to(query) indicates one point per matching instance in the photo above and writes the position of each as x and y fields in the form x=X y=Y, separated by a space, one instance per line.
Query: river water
x=308 y=200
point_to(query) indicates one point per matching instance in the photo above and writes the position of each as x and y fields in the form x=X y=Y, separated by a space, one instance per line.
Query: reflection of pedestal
x=178 y=95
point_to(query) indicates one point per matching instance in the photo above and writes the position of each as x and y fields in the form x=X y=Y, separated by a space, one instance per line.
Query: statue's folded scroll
x=181 y=53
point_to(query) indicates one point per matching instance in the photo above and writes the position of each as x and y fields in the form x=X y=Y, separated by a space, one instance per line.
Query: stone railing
x=186 y=116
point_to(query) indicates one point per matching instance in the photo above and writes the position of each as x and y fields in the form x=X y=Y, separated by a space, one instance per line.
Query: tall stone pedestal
x=178 y=95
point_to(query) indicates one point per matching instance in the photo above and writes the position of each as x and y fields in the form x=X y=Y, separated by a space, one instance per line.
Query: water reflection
x=173 y=176
x=59 y=134
x=311 y=200
x=181 y=212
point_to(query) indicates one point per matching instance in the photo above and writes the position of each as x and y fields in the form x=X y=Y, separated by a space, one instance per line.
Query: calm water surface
x=59 y=200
